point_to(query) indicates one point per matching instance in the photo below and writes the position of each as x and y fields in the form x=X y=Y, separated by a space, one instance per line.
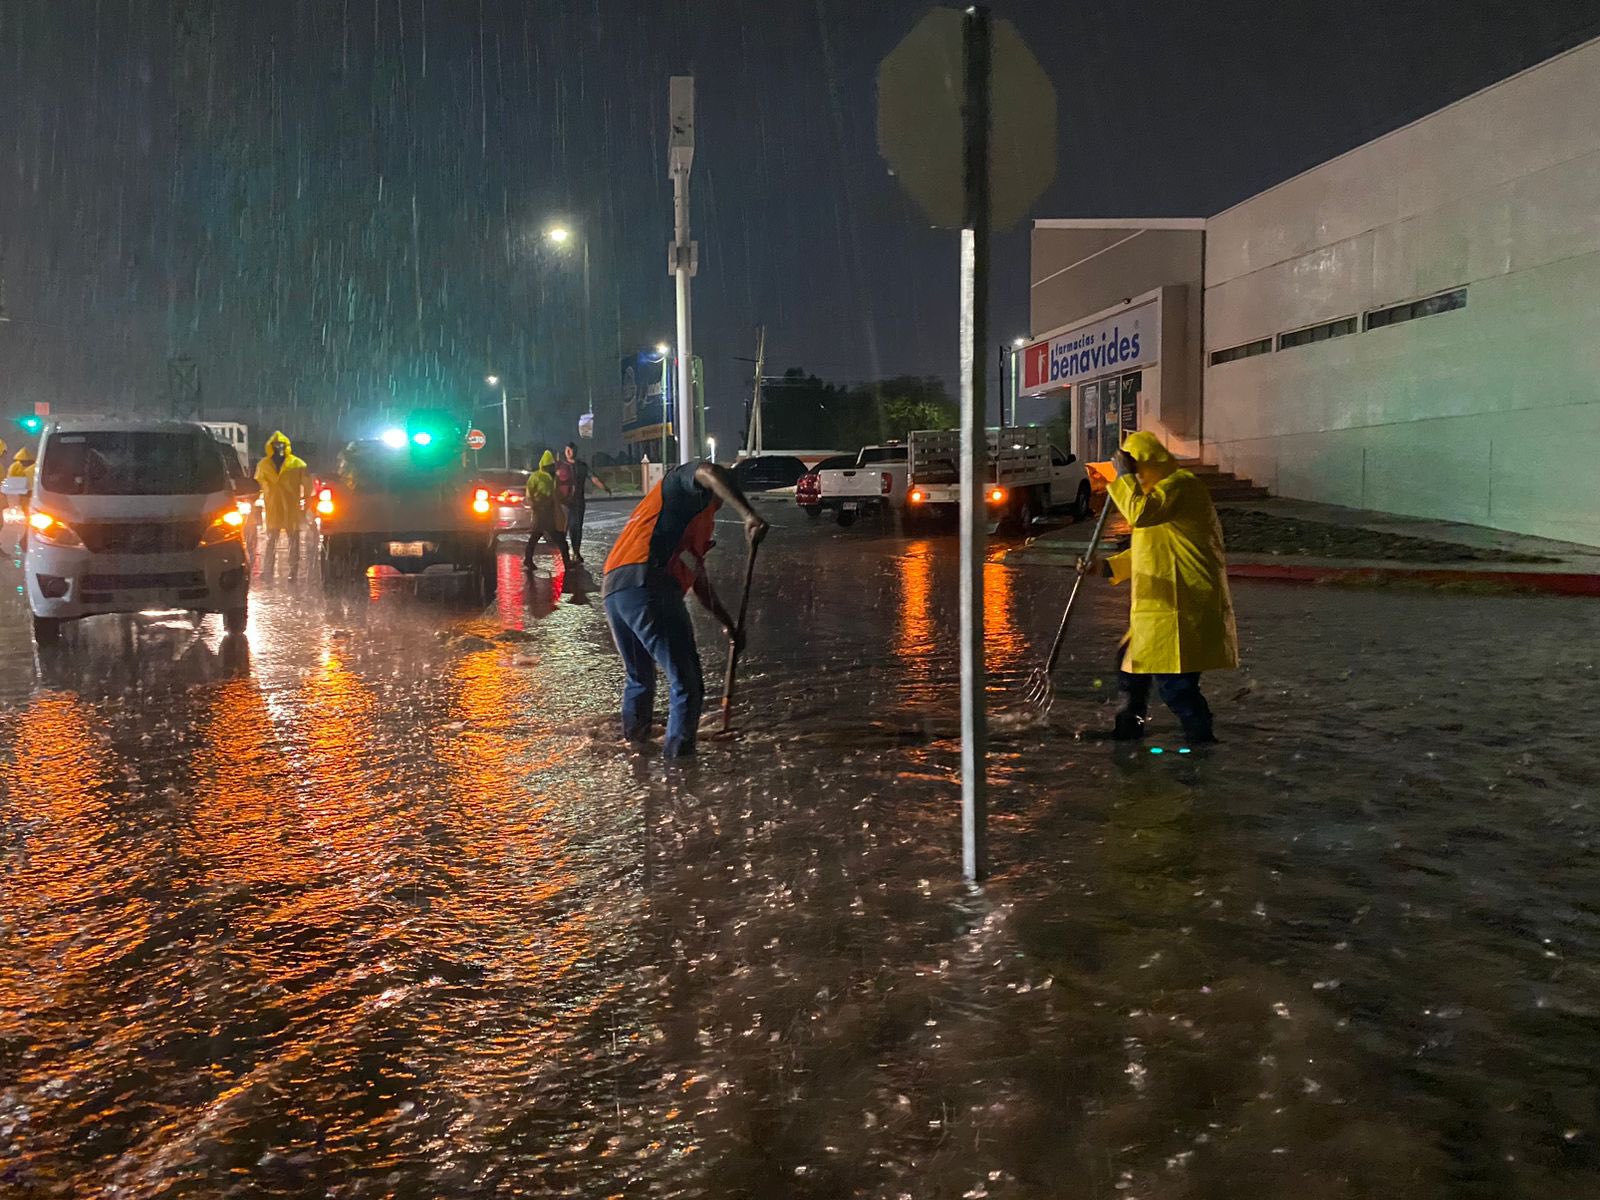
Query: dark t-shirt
x=580 y=483
x=673 y=520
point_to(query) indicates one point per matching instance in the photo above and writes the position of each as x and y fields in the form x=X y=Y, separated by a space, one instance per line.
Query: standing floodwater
x=383 y=909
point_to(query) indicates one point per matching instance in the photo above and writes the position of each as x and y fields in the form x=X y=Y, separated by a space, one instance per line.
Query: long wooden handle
x=733 y=642
x=1066 y=613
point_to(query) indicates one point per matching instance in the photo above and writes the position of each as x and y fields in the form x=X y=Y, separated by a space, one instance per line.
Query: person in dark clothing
x=581 y=478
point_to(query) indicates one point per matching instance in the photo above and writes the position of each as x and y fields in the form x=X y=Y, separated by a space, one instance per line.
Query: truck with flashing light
x=1024 y=477
x=407 y=500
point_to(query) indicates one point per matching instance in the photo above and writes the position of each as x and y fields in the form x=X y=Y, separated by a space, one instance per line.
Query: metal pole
x=974 y=445
x=505 y=424
x=685 y=348
x=753 y=440
x=588 y=342
x=1015 y=388
x=680 y=158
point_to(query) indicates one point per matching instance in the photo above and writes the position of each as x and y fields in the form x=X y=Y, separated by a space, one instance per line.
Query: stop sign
x=476 y=439
x=920 y=93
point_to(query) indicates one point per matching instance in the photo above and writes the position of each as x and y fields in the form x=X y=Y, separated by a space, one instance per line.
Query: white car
x=508 y=492
x=128 y=515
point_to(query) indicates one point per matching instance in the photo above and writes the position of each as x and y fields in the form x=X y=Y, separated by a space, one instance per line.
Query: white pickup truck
x=1024 y=477
x=877 y=481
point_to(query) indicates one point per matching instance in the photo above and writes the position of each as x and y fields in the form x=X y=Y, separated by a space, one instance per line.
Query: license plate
x=407 y=549
x=848 y=507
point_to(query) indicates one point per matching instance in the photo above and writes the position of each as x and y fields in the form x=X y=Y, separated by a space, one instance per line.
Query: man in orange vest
x=660 y=556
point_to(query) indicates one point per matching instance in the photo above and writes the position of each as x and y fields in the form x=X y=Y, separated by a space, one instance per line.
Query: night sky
x=335 y=206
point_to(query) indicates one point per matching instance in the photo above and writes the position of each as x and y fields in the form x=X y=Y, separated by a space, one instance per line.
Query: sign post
x=966 y=120
x=974 y=444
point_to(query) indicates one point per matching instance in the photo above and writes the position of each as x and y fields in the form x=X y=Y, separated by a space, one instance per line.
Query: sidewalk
x=1302 y=542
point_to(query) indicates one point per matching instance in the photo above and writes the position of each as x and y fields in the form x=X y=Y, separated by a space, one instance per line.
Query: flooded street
x=379 y=906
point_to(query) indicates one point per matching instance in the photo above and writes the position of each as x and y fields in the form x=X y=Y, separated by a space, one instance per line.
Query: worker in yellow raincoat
x=549 y=515
x=22 y=467
x=285 y=484
x=1182 y=615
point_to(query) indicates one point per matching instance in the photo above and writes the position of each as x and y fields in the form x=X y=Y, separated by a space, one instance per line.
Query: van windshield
x=132 y=464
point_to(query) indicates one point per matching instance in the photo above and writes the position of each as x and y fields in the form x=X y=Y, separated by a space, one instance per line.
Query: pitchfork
x=1041 y=691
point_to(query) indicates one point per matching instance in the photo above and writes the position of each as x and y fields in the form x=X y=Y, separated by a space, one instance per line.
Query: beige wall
x=1489 y=414
x=1082 y=269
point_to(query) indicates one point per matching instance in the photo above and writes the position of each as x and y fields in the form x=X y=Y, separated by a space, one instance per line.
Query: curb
x=1552 y=583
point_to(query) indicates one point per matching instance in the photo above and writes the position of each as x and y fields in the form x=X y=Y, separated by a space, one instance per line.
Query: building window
x=1317 y=333
x=1234 y=353
x=1431 y=306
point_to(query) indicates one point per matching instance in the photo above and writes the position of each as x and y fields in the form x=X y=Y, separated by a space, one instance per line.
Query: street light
x=560 y=236
x=1017 y=343
x=665 y=351
x=505 y=416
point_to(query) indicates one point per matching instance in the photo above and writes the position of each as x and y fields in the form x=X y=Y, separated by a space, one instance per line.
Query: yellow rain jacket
x=1182 y=614
x=547 y=514
x=283 y=489
x=22 y=465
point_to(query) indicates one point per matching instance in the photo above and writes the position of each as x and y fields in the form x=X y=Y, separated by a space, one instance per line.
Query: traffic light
x=30 y=424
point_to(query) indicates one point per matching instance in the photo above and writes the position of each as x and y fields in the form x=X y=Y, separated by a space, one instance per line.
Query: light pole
x=561 y=236
x=1016 y=348
x=665 y=352
x=505 y=415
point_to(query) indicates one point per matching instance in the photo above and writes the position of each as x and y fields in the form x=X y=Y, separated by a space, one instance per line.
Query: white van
x=128 y=515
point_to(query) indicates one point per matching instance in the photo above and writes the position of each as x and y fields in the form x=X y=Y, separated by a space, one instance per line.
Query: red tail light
x=888 y=483
x=480 y=501
x=997 y=495
x=325 y=502
x=917 y=496
x=509 y=497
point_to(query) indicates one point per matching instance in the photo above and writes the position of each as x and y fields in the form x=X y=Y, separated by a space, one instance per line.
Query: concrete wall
x=1082 y=268
x=1489 y=414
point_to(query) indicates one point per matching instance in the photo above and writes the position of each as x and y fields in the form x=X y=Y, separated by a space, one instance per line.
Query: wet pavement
x=374 y=904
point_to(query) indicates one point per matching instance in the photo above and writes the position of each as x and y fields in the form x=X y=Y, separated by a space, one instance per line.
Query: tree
x=802 y=412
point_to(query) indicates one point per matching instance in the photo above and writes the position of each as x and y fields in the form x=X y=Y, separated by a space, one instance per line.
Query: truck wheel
x=235 y=619
x=335 y=559
x=1084 y=504
x=1025 y=514
x=846 y=519
x=488 y=576
x=813 y=511
x=46 y=630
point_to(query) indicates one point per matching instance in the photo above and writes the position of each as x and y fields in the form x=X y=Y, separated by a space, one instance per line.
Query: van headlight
x=225 y=526
x=49 y=528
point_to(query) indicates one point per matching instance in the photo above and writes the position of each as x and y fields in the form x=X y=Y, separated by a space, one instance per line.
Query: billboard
x=645 y=398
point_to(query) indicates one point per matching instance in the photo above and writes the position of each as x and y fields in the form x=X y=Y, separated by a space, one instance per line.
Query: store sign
x=1124 y=342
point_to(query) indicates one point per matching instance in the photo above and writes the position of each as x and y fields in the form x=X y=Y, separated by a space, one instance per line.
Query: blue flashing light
x=395 y=439
x=1157 y=750
x=31 y=423
x=422 y=437
x=1184 y=750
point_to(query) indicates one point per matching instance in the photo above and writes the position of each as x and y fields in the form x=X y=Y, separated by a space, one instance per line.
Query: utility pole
x=684 y=252
x=753 y=438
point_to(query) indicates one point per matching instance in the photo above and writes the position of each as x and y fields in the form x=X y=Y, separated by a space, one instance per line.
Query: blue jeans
x=1180 y=693
x=650 y=628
